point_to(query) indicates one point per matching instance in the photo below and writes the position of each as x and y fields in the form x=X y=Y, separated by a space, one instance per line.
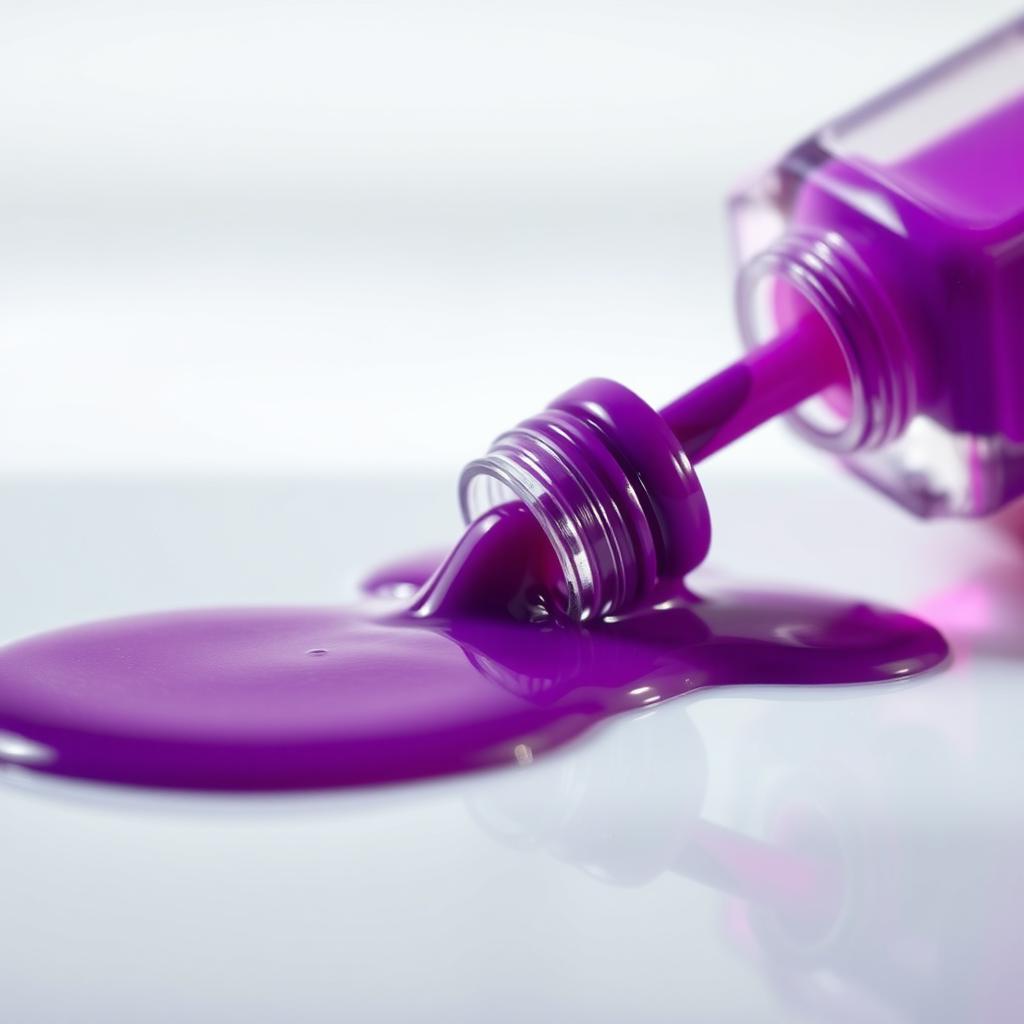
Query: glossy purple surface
x=459 y=679
x=937 y=237
x=802 y=361
x=940 y=232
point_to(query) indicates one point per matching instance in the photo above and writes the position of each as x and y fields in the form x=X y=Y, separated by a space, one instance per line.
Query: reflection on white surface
x=757 y=854
x=865 y=866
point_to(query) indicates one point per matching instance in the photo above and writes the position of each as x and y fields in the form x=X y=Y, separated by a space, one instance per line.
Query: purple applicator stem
x=772 y=379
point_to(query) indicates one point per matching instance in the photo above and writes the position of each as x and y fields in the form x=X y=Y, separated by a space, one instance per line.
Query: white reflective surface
x=832 y=854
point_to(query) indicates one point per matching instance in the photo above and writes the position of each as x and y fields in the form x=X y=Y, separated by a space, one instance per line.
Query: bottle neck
x=820 y=289
x=606 y=479
x=611 y=481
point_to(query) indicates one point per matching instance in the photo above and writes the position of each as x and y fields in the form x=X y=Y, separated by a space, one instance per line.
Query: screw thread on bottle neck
x=819 y=282
x=609 y=484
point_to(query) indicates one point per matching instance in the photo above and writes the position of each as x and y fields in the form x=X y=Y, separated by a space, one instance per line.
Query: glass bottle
x=880 y=293
x=901 y=224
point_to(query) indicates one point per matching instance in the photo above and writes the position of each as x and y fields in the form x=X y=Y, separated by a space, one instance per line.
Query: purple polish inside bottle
x=937 y=234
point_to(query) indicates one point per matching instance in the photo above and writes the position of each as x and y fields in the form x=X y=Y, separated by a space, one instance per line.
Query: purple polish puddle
x=472 y=673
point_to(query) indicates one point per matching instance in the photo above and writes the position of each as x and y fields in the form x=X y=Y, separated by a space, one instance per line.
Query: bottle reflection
x=862 y=849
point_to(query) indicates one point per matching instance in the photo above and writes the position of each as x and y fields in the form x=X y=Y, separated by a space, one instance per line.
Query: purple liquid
x=802 y=362
x=946 y=257
x=461 y=679
x=940 y=232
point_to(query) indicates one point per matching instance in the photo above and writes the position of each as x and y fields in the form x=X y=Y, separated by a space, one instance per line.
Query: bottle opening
x=821 y=282
x=779 y=308
x=607 y=481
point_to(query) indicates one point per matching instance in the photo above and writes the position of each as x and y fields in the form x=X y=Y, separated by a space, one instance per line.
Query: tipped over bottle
x=901 y=224
x=880 y=293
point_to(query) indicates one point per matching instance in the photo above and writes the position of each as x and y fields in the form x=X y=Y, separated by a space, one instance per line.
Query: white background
x=365 y=237
x=331 y=241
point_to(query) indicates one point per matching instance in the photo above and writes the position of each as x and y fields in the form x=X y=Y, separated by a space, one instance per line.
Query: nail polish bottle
x=901 y=226
x=880 y=295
